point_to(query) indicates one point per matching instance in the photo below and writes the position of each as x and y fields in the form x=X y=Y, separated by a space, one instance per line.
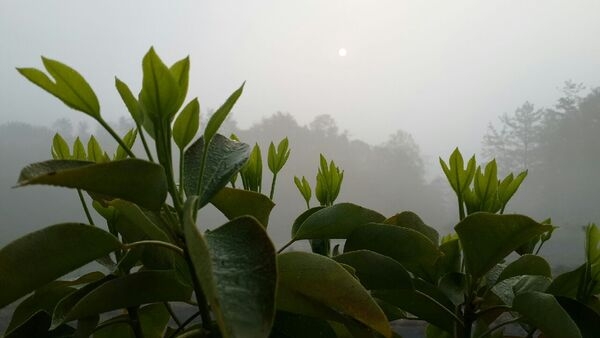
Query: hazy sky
x=440 y=70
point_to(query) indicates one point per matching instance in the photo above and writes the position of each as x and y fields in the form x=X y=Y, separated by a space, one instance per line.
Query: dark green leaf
x=225 y=158
x=134 y=180
x=376 y=271
x=337 y=221
x=410 y=248
x=289 y=325
x=68 y=86
x=234 y=203
x=160 y=93
x=567 y=284
x=219 y=116
x=153 y=319
x=509 y=288
x=527 y=265
x=130 y=290
x=42 y=256
x=586 y=319
x=186 y=124
x=453 y=285
x=553 y=320
x=411 y=220
x=303 y=216
x=327 y=283
x=451 y=258
x=236 y=266
x=487 y=238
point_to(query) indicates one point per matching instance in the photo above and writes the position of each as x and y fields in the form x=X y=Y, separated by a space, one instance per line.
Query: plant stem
x=285 y=246
x=445 y=309
x=144 y=143
x=184 y=324
x=461 y=209
x=495 y=327
x=85 y=207
x=135 y=322
x=116 y=137
x=200 y=297
x=181 y=191
x=273 y=186
x=492 y=308
x=129 y=246
x=172 y=313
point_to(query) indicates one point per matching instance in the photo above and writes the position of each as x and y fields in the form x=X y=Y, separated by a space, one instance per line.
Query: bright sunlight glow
x=342 y=52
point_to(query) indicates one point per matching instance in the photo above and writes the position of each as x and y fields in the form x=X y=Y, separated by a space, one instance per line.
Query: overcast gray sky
x=440 y=70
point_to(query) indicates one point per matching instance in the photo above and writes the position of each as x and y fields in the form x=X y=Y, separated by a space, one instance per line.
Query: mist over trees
x=557 y=145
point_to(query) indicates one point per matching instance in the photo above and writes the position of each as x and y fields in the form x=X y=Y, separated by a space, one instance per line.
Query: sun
x=342 y=52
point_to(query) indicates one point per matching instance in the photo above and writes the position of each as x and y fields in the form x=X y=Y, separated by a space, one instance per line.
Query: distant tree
x=515 y=144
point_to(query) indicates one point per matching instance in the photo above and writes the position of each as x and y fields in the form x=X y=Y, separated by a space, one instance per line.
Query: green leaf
x=95 y=152
x=219 y=116
x=160 y=95
x=337 y=221
x=37 y=308
x=181 y=73
x=138 y=181
x=49 y=253
x=459 y=177
x=236 y=266
x=553 y=321
x=291 y=325
x=186 y=124
x=277 y=159
x=567 y=284
x=68 y=86
x=304 y=188
x=509 y=288
x=410 y=248
x=132 y=104
x=151 y=286
x=411 y=220
x=585 y=317
x=234 y=203
x=60 y=148
x=153 y=320
x=376 y=271
x=251 y=172
x=79 y=150
x=509 y=186
x=592 y=250
x=486 y=187
x=302 y=217
x=425 y=301
x=527 y=265
x=129 y=140
x=450 y=260
x=325 y=282
x=487 y=238
x=225 y=158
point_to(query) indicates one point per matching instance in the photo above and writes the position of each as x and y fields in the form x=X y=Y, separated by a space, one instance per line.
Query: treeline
x=387 y=177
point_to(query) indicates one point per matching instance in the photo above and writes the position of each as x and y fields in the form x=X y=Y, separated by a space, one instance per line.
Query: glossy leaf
x=509 y=288
x=236 y=266
x=234 y=203
x=219 y=116
x=160 y=95
x=411 y=220
x=151 y=286
x=325 y=282
x=302 y=217
x=553 y=321
x=138 y=181
x=376 y=271
x=66 y=84
x=132 y=104
x=487 y=238
x=49 y=253
x=337 y=221
x=225 y=158
x=187 y=124
x=410 y=248
x=527 y=265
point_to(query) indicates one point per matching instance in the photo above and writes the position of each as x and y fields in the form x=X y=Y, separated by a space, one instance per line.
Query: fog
x=439 y=71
